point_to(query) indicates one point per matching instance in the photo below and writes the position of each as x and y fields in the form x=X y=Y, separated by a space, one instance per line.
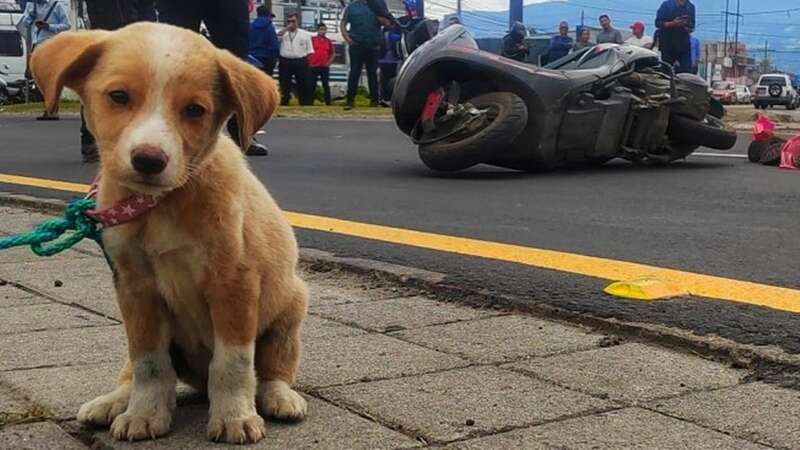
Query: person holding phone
x=41 y=20
x=675 y=22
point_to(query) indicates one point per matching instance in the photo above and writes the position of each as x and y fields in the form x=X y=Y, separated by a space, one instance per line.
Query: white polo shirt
x=296 y=44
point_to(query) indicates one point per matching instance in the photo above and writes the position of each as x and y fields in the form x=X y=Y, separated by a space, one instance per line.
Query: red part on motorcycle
x=432 y=105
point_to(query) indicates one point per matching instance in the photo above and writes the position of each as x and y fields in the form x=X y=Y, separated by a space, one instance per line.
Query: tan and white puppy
x=206 y=281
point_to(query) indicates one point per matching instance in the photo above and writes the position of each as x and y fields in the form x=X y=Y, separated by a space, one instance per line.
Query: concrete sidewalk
x=384 y=367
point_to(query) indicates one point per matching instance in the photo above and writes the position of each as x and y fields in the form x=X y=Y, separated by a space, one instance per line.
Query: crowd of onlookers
x=673 y=40
x=304 y=59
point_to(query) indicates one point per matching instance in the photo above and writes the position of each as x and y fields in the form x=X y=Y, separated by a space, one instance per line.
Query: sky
x=776 y=21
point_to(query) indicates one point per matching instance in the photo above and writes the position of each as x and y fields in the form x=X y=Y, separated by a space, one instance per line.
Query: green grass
x=362 y=111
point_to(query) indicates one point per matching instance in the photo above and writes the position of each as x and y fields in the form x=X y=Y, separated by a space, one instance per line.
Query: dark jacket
x=114 y=14
x=674 y=40
x=263 y=39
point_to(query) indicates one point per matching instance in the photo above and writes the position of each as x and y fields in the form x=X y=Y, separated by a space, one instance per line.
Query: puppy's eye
x=119 y=97
x=194 y=111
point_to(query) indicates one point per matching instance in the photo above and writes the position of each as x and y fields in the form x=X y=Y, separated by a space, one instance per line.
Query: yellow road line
x=775 y=297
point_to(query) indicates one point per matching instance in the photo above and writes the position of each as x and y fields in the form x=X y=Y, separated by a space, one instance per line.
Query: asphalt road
x=711 y=214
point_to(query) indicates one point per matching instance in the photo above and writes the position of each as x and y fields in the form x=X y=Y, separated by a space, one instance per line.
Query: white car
x=12 y=45
x=775 y=89
x=743 y=94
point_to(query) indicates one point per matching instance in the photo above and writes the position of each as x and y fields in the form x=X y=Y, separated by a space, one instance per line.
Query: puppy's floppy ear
x=251 y=94
x=65 y=60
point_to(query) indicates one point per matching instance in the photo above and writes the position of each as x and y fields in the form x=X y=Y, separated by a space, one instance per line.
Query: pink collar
x=124 y=211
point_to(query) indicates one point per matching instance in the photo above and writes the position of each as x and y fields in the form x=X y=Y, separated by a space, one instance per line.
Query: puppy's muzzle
x=149 y=160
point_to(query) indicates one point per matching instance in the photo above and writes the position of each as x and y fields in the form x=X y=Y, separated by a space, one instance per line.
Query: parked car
x=775 y=89
x=724 y=91
x=12 y=46
x=743 y=94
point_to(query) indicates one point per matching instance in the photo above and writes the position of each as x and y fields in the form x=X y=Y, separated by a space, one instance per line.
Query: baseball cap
x=563 y=24
x=637 y=26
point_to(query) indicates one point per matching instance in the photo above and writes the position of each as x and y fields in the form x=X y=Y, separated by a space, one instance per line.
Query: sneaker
x=349 y=106
x=256 y=149
x=89 y=153
x=385 y=103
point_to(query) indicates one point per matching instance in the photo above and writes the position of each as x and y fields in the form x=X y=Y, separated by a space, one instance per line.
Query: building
x=717 y=64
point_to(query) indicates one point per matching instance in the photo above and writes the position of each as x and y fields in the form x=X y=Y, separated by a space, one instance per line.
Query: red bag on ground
x=763 y=129
x=790 y=153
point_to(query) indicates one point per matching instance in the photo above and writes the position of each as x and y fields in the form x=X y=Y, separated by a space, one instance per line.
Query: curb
x=769 y=363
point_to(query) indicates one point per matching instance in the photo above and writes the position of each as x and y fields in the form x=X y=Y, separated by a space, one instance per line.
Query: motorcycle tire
x=510 y=119
x=690 y=131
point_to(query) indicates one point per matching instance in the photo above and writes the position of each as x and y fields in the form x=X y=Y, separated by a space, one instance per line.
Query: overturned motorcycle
x=463 y=106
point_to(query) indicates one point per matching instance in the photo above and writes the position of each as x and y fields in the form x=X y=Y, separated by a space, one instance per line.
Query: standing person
x=264 y=44
x=560 y=45
x=675 y=22
x=694 y=43
x=296 y=46
x=41 y=20
x=584 y=40
x=228 y=24
x=111 y=15
x=514 y=45
x=608 y=34
x=639 y=39
x=388 y=63
x=363 y=39
x=320 y=62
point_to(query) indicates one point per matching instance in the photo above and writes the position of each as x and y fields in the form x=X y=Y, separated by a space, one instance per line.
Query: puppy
x=206 y=280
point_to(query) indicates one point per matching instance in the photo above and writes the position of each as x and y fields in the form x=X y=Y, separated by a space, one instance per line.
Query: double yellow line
x=775 y=297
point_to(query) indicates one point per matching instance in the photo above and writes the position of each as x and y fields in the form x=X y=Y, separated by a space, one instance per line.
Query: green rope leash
x=57 y=235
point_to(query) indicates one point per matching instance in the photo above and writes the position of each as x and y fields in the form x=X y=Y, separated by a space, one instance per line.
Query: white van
x=12 y=45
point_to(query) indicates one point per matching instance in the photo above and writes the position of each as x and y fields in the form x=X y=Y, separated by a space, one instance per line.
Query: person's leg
x=356 y=64
x=325 y=74
x=269 y=66
x=315 y=74
x=685 y=63
x=285 y=80
x=294 y=78
x=303 y=83
x=371 y=61
x=89 y=151
x=668 y=57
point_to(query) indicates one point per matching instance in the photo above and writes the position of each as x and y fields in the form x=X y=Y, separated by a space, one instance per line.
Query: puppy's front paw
x=135 y=428
x=105 y=408
x=279 y=401
x=247 y=430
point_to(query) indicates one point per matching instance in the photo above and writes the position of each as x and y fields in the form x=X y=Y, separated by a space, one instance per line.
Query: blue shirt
x=58 y=20
x=674 y=40
x=560 y=46
x=263 y=39
x=695 y=43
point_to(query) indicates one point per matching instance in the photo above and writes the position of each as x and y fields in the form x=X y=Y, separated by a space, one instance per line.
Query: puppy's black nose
x=149 y=160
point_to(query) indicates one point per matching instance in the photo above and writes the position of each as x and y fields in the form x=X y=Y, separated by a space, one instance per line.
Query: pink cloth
x=790 y=154
x=763 y=129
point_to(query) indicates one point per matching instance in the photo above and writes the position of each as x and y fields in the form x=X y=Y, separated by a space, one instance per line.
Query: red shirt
x=323 y=49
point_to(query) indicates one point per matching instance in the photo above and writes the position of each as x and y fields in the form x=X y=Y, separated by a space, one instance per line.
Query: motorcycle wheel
x=508 y=116
x=689 y=131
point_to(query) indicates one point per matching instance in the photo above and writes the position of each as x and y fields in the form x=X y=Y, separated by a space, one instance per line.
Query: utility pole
x=515 y=12
x=581 y=20
x=458 y=8
x=766 y=62
x=736 y=45
x=725 y=38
